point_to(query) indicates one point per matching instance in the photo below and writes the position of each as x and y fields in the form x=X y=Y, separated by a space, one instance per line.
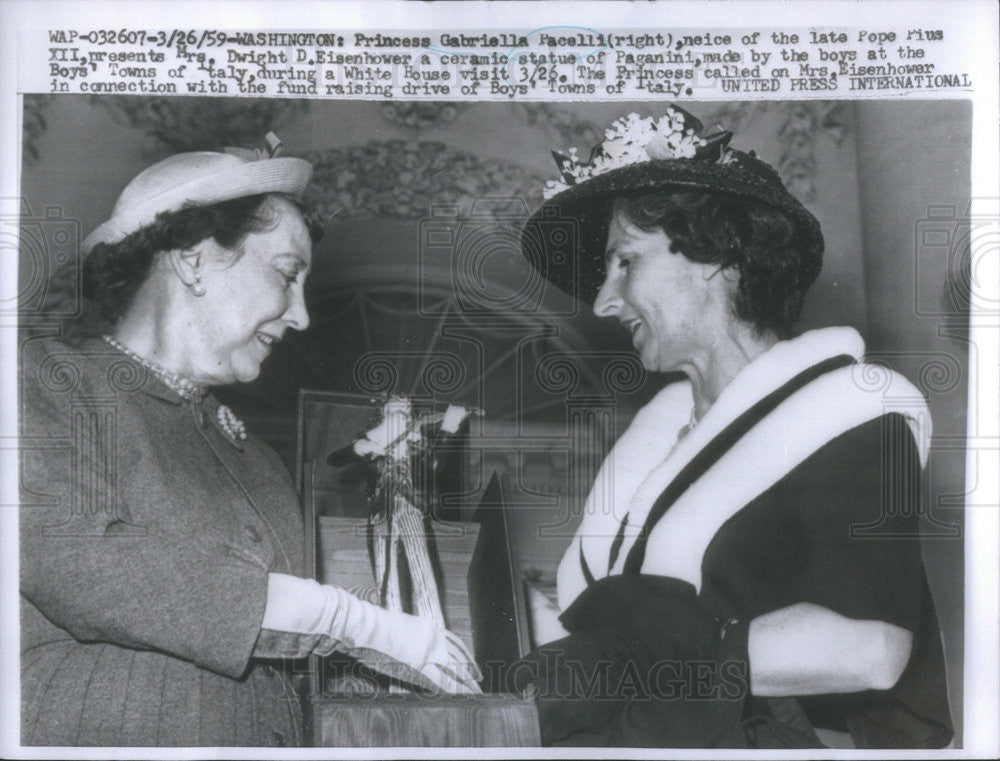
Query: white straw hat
x=200 y=178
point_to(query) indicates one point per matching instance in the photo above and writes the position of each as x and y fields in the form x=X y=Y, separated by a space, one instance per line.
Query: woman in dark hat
x=747 y=571
x=161 y=544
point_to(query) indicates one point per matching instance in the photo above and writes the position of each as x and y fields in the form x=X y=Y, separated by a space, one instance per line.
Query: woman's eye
x=624 y=263
x=289 y=278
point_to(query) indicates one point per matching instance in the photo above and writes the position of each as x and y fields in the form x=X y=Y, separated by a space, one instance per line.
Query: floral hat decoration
x=565 y=238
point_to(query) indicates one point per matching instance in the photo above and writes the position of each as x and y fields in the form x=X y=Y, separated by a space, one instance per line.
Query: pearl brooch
x=231 y=424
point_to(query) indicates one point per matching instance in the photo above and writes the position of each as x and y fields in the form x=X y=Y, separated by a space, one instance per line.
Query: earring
x=196 y=287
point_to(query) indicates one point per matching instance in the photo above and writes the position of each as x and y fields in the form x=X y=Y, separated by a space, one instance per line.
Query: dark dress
x=836 y=533
x=146 y=538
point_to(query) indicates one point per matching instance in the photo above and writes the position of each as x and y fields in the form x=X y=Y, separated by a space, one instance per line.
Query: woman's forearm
x=806 y=649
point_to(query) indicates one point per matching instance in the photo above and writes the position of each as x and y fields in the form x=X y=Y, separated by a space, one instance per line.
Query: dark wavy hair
x=760 y=241
x=114 y=272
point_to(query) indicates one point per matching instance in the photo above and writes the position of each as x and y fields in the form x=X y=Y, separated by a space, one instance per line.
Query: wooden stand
x=483 y=721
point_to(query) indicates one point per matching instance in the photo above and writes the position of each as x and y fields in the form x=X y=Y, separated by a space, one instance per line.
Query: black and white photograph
x=383 y=423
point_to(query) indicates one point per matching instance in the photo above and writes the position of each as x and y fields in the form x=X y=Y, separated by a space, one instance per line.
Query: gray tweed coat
x=146 y=537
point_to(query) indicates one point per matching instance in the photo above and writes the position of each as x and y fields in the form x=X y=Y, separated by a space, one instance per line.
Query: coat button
x=253 y=533
x=277 y=739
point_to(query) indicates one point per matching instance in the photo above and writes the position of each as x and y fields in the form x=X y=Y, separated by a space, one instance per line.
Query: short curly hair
x=114 y=272
x=760 y=241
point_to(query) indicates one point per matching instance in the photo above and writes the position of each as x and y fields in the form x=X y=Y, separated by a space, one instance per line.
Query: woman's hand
x=545 y=624
x=303 y=616
x=806 y=649
x=416 y=650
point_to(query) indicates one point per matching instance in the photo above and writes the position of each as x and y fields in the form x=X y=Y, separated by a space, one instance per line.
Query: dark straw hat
x=565 y=238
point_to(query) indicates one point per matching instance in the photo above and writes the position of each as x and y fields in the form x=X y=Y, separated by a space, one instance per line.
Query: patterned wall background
x=185 y=124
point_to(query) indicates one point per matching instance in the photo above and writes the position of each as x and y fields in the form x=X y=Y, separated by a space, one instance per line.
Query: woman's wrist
x=293 y=604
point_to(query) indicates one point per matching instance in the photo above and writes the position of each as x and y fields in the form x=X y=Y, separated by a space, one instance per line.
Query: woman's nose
x=608 y=301
x=297 y=315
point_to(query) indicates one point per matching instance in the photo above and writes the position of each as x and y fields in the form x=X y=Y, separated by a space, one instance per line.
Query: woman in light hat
x=161 y=545
x=748 y=569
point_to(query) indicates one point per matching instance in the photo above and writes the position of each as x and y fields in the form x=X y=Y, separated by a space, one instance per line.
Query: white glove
x=303 y=616
x=545 y=624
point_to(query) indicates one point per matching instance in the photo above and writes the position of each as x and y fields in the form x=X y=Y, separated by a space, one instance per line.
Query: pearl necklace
x=183 y=387
x=691 y=425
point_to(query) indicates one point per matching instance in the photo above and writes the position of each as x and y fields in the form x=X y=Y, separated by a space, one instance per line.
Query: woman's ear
x=731 y=274
x=187 y=264
x=727 y=277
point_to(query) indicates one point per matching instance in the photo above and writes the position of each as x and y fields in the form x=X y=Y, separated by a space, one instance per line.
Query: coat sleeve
x=858 y=510
x=102 y=574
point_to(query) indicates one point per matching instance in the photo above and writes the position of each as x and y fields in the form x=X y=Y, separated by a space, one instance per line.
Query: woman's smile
x=632 y=325
x=267 y=340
